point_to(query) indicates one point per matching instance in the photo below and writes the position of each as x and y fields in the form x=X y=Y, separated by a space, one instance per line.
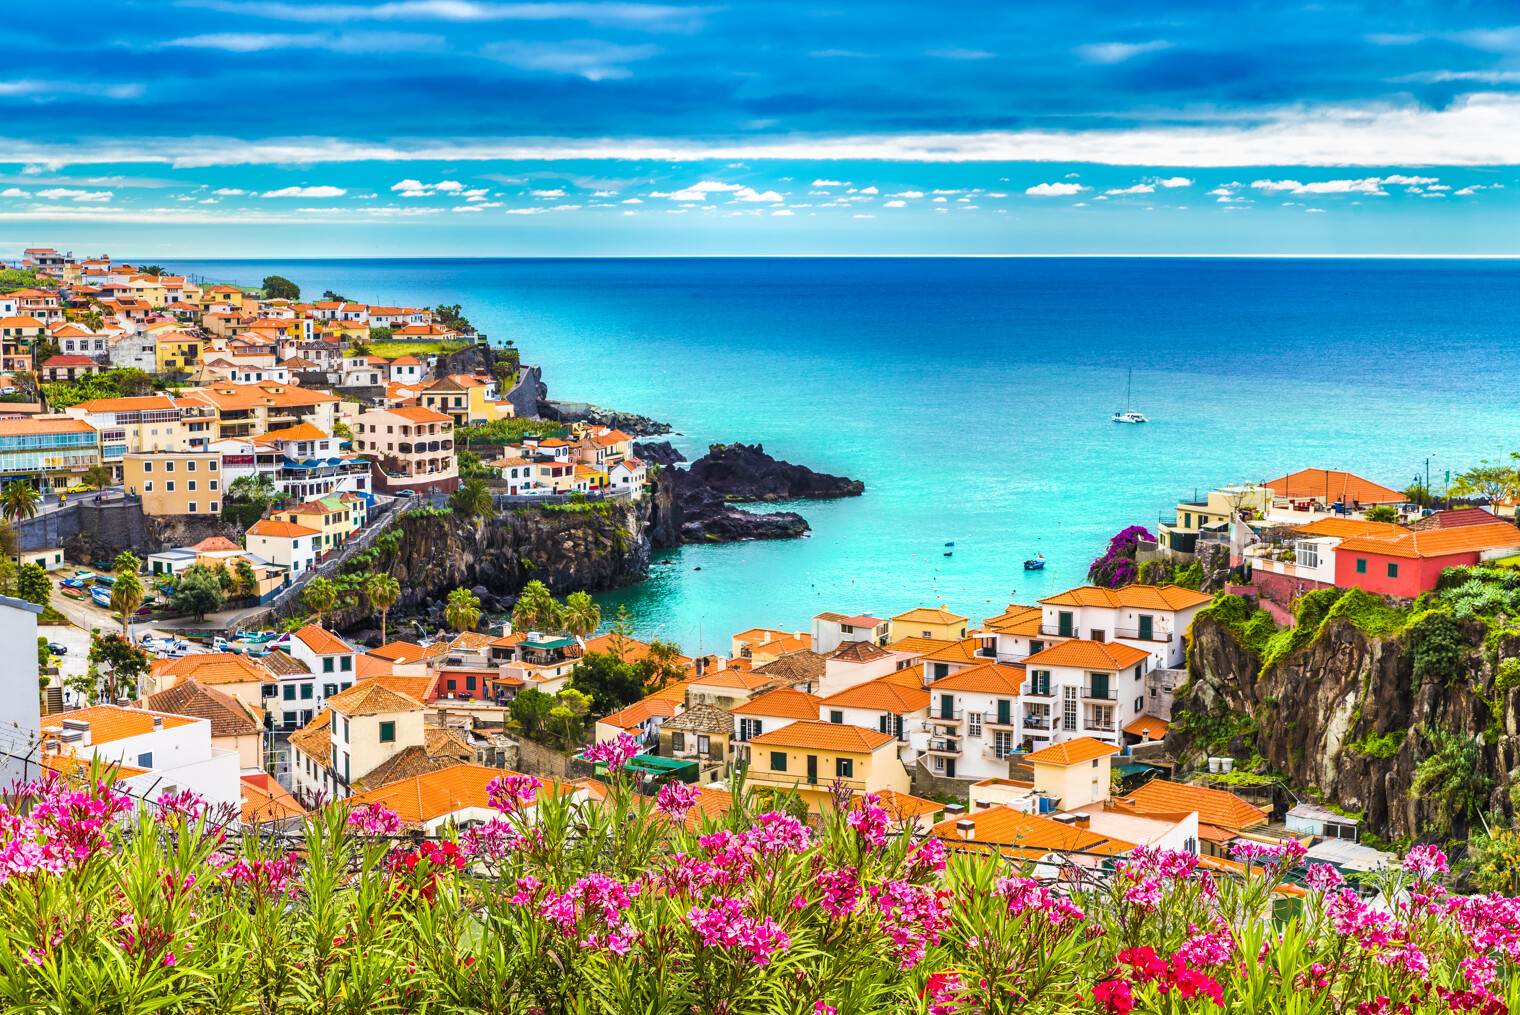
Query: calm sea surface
x=973 y=397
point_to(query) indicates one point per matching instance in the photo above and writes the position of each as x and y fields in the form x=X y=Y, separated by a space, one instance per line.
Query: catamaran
x=1129 y=415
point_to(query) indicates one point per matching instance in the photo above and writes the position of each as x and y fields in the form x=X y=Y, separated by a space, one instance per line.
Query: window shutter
x=1005 y=709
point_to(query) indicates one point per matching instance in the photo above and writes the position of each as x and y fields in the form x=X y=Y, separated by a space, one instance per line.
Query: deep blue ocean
x=973 y=397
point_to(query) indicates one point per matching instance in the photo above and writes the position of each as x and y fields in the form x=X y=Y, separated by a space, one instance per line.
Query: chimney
x=954 y=810
x=965 y=828
x=158 y=722
x=1083 y=819
x=80 y=728
x=1065 y=819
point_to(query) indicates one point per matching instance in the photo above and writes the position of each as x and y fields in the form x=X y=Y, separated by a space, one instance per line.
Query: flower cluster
x=512 y=793
x=616 y=753
x=676 y=798
x=374 y=820
x=725 y=923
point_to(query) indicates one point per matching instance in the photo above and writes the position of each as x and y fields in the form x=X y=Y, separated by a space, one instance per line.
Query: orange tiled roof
x=926 y=615
x=1214 y=806
x=742 y=679
x=400 y=652
x=1333 y=485
x=987 y=678
x=825 y=736
x=914 y=645
x=902 y=806
x=1344 y=528
x=641 y=711
x=1071 y=752
x=711 y=804
x=1149 y=725
x=962 y=652
x=437 y=794
x=674 y=691
x=211 y=668
x=858 y=652
x=1436 y=542
x=26 y=427
x=881 y=695
x=1151 y=597
x=1028 y=835
x=783 y=703
x=212 y=543
x=1016 y=620
x=417 y=414
x=322 y=641
x=1082 y=654
x=229 y=717
x=109 y=722
x=299 y=432
x=289 y=530
x=633 y=649
x=265 y=800
x=416 y=688
x=371 y=698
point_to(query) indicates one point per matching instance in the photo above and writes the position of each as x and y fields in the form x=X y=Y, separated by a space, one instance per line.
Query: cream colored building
x=813 y=754
x=179 y=483
x=925 y=622
x=368 y=725
x=1074 y=773
x=411 y=447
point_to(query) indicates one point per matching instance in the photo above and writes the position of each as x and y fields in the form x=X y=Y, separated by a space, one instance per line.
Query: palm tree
x=535 y=609
x=581 y=616
x=472 y=498
x=462 y=610
x=91 y=319
x=126 y=597
x=383 y=591
x=19 y=502
x=319 y=597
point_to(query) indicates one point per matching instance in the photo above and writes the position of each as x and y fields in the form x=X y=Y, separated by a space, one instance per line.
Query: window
x=844 y=768
x=211 y=467
x=168 y=466
x=190 y=507
x=973 y=724
x=212 y=485
x=1140 y=703
x=328 y=690
x=939 y=764
x=1002 y=743
x=387 y=733
x=1393 y=570
x=306 y=690
x=169 y=486
x=836 y=716
x=213 y=507
x=270 y=690
x=1064 y=624
x=145 y=760
x=290 y=692
x=469 y=681
x=327 y=664
x=704 y=743
x=348 y=664
x=148 y=486
x=1361 y=565
x=190 y=485
x=1068 y=708
x=778 y=761
x=189 y=466
x=147 y=466
x=346 y=737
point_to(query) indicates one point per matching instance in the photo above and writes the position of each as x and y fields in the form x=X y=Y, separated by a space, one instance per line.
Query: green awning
x=1132 y=768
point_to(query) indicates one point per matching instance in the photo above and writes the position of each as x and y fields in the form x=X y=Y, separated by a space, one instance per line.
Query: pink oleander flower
x=869 y=821
x=928 y=857
x=777 y=833
x=1479 y=970
x=723 y=923
x=1209 y=948
x=169 y=959
x=1146 y=895
x=1114 y=997
x=823 y=1008
x=1425 y=862
x=841 y=891
x=615 y=754
x=912 y=917
x=676 y=798
x=493 y=840
x=1350 y=915
x=1407 y=957
x=186 y=803
x=1323 y=878
x=374 y=820
x=512 y=793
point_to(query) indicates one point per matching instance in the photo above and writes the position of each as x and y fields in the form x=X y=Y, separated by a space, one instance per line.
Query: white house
x=888 y=705
x=20 y=728
x=1085 y=688
x=161 y=753
x=627 y=477
x=855 y=662
x=291 y=546
x=1147 y=617
x=407 y=370
x=975 y=721
x=831 y=629
x=328 y=657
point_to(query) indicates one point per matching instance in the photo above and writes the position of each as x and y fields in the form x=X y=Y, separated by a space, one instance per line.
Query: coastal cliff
x=1346 y=711
x=745 y=473
x=592 y=547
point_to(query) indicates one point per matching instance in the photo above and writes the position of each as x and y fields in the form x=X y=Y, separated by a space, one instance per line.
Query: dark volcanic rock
x=685 y=513
x=742 y=472
x=661 y=453
x=584 y=412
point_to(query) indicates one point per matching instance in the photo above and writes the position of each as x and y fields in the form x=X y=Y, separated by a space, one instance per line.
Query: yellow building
x=466 y=399
x=174 y=483
x=1074 y=772
x=252 y=410
x=809 y=755
x=928 y=623
x=370 y=724
x=336 y=517
x=229 y=294
x=178 y=352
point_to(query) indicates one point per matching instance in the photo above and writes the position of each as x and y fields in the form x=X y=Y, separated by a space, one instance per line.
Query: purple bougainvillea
x=1117 y=567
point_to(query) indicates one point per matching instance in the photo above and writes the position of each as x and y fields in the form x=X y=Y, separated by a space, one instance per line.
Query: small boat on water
x=1129 y=415
x=951 y=543
x=1038 y=564
x=949 y=553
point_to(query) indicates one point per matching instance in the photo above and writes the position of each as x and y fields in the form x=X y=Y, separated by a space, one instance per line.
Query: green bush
x=1439 y=648
x=1374 y=746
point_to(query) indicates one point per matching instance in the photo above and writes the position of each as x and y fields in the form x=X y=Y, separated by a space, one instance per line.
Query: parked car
x=57 y=649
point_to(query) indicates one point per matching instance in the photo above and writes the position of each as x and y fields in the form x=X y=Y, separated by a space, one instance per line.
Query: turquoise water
x=973 y=397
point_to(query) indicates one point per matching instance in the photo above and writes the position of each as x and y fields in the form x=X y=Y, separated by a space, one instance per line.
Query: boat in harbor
x=1038 y=564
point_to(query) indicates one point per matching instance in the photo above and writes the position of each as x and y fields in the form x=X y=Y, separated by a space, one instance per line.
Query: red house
x=1408 y=563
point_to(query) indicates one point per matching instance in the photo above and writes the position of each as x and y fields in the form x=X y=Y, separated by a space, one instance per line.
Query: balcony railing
x=1035 y=723
x=754 y=774
x=1054 y=630
x=944 y=747
x=1098 y=727
x=946 y=715
x=1003 y=722
x=1110 y=694
x=994 y=751
x=1028 y=690
x=1134 y=632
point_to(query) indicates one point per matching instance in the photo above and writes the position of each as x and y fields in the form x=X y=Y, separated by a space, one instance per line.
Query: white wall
x=20 y=716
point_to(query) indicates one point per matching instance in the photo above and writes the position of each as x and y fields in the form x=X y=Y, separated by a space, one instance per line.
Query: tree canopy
x=609 y=682
x=277 y=287
x=197 y=591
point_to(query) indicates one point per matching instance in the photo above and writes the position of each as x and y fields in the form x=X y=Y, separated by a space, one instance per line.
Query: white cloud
x=1411 y=181
x=1223 y=191
x=1438 y=186
x=588 y=58
x=947 y=191
x=829 y=183
x=84 y=196
x=956 y=53
x=782 y=211
x=449 y=186
x=865 y=216
x=229 y=192
x=1176 y=181
x=942 y=200
x=604 y=193
x=1312 y=210
x=15 y=192
x=633 y=200
x=336 y=42
x=1464 y=192
x=306 y=192
x=1368 y=185
x=699 y=192
x=895 y=204
x=466 y=207
x=1274 y=185
x=612 y=13
x=1139 y=188
x=909 y=193
x=525 y=211
x=1055 y=189
x=1118 y=52
x=548 y=193
x=870 y=190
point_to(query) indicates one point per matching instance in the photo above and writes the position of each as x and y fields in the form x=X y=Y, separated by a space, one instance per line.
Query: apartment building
x=252 y=410
x=50 y=451
x=410 y=448
x=175 y=483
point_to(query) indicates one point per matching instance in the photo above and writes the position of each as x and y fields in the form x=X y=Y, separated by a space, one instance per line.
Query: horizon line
x=815 y=256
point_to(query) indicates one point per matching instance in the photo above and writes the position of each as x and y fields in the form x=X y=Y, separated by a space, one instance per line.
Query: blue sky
x=433 y=127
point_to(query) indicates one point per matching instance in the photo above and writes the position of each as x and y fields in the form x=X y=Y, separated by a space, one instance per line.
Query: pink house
x=1410 y=562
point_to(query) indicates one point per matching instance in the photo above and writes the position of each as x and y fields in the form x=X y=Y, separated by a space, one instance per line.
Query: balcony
x=1093 y=726
x=1028 y=691
x=946 y=715
x=753 y=774
x=1032 y=722
x=945 y=747
x=1101 y=694
x=1134 y=634
x=999 y=722
x=997 y=752
x=1055 y=631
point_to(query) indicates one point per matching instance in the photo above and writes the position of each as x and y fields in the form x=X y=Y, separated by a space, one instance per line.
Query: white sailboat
x=1129 y=415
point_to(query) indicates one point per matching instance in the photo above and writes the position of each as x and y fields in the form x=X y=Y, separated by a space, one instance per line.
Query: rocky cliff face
x=689 y=513
x=569 y=551
x=585 y=412
x=740 y=472
x=1321 y=711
